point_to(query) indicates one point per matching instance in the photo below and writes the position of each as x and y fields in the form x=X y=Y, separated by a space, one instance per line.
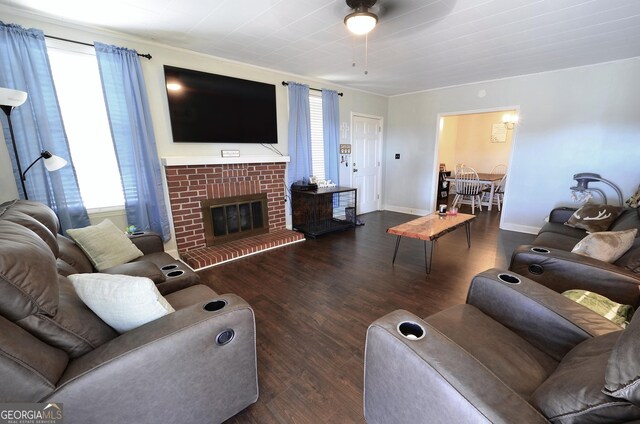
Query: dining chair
x=501 y=168
x=498 y=193
x=467 y=186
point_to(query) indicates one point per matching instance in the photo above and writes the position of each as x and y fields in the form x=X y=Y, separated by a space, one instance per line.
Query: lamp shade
x=53 y=163
x=361 y=21
x=11 y=97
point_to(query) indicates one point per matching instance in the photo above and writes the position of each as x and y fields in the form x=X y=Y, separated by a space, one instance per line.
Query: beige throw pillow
x=606 y=246
x=594 y=218
x=122 y=301
x=105 y=245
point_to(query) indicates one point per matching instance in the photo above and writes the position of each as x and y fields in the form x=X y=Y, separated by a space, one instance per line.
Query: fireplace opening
x=232 y=218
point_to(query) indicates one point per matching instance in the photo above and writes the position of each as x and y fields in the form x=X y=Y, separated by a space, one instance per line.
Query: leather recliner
x=516 y=352
x=166 y=272
x=549 y=261
x=197 y=364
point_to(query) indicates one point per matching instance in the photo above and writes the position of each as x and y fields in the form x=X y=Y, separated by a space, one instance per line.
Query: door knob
x=355 y=170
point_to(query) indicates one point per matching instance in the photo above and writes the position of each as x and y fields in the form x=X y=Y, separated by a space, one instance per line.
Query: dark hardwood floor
x=313 y=302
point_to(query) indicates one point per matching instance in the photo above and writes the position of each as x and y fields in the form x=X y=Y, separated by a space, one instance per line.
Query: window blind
x=317 y=138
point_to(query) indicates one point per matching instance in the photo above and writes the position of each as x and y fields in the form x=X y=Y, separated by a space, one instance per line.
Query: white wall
x=154 y=77
x=447 y=141
x=575 y=120
x=473 y=141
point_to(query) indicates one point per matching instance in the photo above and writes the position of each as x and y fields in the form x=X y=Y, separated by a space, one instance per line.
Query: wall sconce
x=510 y=120
x=581 y=193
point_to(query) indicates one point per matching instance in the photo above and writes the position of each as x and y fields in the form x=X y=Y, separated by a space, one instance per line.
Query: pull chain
x=353 y=50
x=366 y=54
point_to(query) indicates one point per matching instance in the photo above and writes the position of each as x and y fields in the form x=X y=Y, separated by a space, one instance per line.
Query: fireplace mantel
x=218 y=160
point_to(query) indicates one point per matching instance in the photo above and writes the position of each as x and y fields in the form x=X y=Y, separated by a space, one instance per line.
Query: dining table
x=485 y=178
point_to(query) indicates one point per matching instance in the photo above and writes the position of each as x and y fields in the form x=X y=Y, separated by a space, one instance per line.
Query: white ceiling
x=417 y=45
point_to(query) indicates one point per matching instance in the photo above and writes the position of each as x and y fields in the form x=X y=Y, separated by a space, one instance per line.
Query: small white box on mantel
x=230 y=153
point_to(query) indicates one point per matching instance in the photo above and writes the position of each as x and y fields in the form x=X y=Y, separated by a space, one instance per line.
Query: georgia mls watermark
x=31 y=413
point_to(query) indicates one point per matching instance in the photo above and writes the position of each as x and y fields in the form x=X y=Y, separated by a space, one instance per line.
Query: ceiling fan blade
x=390 y=9
x=354 y=4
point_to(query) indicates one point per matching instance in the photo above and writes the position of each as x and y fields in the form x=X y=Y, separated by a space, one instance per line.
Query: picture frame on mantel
x=498 y=133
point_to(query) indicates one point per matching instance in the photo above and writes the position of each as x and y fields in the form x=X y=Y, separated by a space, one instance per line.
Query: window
x=77 y=80
x=317 y=137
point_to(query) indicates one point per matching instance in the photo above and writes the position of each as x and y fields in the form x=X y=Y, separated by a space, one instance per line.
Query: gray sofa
x=516 y=352
x=195 y=365
x=549 y=261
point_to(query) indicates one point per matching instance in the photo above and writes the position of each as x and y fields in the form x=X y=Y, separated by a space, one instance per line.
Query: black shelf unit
x=443 y=187
x=325 y=210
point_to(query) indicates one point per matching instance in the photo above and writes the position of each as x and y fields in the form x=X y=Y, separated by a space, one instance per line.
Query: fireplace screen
x=232 y=218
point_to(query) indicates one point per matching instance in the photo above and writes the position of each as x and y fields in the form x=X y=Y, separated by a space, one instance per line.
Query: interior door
x=366 y=138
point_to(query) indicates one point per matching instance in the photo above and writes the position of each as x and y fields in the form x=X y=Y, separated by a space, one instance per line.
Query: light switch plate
x=230 y=153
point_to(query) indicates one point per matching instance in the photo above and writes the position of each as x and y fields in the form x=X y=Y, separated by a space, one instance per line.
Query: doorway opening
x=479 y=140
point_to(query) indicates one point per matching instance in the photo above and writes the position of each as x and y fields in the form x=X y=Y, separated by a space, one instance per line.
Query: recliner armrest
x=546 y=319
x=147 y=242
x=561 y=271
x=432 y=379
x=560 y=215
x=174 y=362
x=138 y=269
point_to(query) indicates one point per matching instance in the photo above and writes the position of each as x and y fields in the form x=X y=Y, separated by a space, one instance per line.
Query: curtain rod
x=310 y=88
x=148 y=56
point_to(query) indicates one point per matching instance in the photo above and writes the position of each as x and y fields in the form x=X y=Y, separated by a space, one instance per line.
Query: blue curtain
x=133 y=138
x=299 y=132
x=331 y=131
x=37 y=124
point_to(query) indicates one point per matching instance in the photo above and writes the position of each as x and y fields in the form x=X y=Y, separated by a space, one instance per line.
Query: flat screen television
x=210 y=108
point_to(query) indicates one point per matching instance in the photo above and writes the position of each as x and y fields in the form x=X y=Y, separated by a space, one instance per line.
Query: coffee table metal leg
x=395 y=252
x=429 y=259
x=467 y=228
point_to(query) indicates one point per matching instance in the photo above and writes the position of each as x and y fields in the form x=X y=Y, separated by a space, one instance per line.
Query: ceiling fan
x=363 y=15
x=361 y=20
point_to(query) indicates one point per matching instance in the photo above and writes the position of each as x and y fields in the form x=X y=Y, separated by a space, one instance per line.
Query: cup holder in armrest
x=214 y=305
x=169 y=267
x=175 y=273
x=411 y=330
x=508 y=278
x=540 y=250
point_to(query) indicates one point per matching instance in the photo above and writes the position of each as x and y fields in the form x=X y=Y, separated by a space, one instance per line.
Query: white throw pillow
x=105 y=245
x=122 y=301
x=607 y=246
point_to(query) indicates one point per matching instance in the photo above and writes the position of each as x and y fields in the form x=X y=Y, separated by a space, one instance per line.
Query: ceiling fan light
x=361 y=21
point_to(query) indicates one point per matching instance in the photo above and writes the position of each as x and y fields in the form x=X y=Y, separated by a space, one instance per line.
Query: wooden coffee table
x=431 y=228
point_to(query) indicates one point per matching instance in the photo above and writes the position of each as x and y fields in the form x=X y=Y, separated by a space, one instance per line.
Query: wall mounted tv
x=210 y=108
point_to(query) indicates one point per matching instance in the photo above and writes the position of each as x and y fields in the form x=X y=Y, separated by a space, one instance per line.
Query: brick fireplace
x=193 y=181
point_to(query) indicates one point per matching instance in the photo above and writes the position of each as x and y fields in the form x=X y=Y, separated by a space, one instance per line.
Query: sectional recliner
x=197 y=364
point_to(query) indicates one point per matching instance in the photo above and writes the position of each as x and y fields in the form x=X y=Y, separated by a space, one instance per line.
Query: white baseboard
x=520 y=228
x=402 y=209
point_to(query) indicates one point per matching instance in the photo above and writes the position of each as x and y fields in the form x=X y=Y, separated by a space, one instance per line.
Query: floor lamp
x=582 y=192
x=9 y=99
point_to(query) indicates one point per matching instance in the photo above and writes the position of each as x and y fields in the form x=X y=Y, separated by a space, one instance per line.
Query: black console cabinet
x=321 y=211
x=443 y=187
